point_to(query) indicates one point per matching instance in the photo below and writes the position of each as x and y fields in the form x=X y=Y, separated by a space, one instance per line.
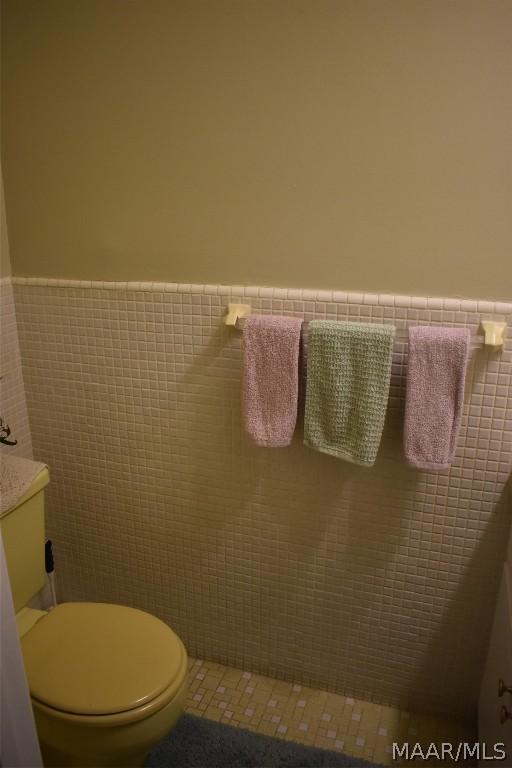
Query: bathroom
x=333 y=160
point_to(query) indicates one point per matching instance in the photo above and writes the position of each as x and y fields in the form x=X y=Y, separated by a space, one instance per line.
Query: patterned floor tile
x=317 y=718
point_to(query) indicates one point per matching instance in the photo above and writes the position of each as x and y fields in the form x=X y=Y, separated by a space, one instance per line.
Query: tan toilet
x=107 y=682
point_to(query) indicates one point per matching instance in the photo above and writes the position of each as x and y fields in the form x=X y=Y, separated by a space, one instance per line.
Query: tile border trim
x=260 y=292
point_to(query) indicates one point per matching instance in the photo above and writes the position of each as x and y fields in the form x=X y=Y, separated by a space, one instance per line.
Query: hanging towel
x=435 y=393
x=347 y=388
x=271 y=378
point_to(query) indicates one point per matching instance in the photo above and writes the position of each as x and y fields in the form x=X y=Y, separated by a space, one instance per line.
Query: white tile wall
x=378 y=583
x=13 y=406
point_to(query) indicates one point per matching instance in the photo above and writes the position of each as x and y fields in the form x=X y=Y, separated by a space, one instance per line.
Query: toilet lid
x=98 y=659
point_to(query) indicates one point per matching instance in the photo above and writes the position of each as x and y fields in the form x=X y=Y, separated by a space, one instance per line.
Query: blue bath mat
x=200 y=743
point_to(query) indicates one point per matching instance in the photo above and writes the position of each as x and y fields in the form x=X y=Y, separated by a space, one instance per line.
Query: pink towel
x=271 y=378
x=435 y=394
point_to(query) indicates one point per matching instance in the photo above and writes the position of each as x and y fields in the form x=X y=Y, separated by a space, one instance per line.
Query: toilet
x=107 y=682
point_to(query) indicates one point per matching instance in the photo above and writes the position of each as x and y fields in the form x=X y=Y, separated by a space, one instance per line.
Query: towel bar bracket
x=493 y=333
x=236 y=312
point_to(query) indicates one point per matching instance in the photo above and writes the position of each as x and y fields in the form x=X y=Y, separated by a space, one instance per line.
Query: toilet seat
x=102 y=663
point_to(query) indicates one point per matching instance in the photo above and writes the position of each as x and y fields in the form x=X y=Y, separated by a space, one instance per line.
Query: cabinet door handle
x=502 y=688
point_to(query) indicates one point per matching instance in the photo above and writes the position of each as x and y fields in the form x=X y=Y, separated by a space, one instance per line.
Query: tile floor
x=357 y=728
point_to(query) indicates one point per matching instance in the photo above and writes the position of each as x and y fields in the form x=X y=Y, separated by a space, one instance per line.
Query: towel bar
x=493 y=336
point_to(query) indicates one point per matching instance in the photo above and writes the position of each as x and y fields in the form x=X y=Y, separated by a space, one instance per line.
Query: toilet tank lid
x=100 y=659
x=20 y=479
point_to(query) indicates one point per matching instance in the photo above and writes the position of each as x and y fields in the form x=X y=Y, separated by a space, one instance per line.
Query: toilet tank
x=23 y=537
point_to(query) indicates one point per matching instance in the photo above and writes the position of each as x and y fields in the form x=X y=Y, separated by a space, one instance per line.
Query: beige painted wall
x=350 y=144
x=5 y=262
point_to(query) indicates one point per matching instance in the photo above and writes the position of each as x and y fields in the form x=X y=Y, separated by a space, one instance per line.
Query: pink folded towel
x=271 y=378
x=435 y=393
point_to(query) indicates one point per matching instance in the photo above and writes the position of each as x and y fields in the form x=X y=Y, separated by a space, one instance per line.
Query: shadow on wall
x=468 y=605
x=299 y=519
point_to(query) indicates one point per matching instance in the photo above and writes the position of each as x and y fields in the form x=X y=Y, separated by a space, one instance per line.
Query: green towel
x=347 y=388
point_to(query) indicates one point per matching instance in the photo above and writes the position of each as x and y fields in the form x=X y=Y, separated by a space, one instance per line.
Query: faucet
x=5 y=431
